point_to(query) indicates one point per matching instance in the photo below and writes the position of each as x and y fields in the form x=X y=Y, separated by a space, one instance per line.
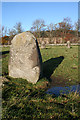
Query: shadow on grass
x=50 y=65
x=3 y=54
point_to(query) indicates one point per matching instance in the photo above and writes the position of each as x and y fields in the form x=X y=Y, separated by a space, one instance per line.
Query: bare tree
x=12 y=32
x=67 y=22
x=18 y=28
x=50 y=29
x=79 y=24
x=3 y=31
x=0 y=34
x=76 y=28
x=64 y=27
x=0 y=31
x=37 y=26
x=15 y=30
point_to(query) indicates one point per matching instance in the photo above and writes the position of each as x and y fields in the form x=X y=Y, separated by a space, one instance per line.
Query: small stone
x=69 y=79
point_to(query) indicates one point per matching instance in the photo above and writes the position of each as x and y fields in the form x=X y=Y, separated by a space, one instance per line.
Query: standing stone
x=43 y=44
x=25 y=58
x=68 y=44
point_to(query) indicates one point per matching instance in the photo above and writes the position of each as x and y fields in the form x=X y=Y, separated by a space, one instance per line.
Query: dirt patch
x=59 y=81
x=3 y=56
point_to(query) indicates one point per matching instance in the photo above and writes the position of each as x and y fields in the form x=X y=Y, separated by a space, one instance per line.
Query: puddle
x=63 y=90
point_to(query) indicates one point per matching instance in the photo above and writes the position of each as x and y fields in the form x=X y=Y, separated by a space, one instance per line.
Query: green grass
x=66 y=68
x=25 y=101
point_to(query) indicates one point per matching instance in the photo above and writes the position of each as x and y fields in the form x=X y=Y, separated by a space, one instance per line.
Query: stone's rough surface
x=25 y=58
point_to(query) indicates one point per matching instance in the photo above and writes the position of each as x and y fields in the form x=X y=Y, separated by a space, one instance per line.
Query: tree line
x=63 y=29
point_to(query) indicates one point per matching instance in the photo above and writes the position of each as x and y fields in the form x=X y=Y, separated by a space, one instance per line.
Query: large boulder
x=25 y=58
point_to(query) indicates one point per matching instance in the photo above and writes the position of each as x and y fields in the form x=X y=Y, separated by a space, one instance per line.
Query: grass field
x=63 y=64
x=25 y=101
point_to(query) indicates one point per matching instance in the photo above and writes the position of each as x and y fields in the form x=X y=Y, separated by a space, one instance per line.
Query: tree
x=0 y=31
x=3 y=31
x=79 y=24
x=64 y=27
x=37 y=26
x=5 y=40
x=67 y=23
x=79 y=27
x=76 y=28
x=55 y=33
x=42 y=34
x=18 y=28
x=50 y=29
x=3 y=35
